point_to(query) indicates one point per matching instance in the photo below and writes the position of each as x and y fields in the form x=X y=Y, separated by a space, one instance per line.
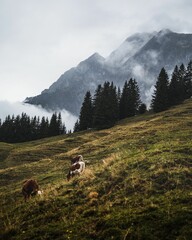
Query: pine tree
x=53 y=126
x=106 y=106
x=130 y=99
x=114 y=104
x=188 y=81
x=34 y=128
x=44 y=128
x=76 y=126
x=133 y=98
x=142 y=108
x=64 y=129
x=96 y=97
x=25 y=131
x=59 y=124
x=174 y=88
x=181 y=76
x=160 y=98
x=86 y=113
x=123 y=111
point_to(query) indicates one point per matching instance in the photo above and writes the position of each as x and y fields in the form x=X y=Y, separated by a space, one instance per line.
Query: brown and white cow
x=30 y=188
x=77 y=159
x=76 y=168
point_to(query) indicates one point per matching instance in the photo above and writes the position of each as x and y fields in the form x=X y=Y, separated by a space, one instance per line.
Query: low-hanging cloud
x=17 y=108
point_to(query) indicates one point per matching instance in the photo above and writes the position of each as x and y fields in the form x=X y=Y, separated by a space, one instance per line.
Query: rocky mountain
x=140 y=56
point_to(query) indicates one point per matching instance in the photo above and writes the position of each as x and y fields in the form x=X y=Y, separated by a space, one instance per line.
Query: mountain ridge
x=140 y=56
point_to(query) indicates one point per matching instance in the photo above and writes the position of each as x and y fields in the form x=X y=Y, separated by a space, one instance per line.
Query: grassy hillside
x=137 y=183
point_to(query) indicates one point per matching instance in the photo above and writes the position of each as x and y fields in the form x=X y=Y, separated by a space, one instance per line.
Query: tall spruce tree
x=188 y=81
x=142 y=108
x=53 y=126
x=133 y=98
x=59 y=124
x=130 y=99
x=86 y=113
x=174 y=88
x=44 y=128
x=64 y=129
x=181 y=76
x=76 y=126
x=123 y=102
x=160 y=97
x=105 y=106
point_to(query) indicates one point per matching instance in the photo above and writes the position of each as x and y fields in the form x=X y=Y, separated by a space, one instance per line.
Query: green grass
x=137 y=183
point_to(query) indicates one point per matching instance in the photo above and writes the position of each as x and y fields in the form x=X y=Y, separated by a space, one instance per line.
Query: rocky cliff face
x=140 y=56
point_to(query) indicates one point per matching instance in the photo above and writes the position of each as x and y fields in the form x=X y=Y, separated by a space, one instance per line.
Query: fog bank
x=17 y=108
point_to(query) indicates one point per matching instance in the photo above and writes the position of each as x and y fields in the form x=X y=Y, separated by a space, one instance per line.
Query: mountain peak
x=163 y=32
x=96 y=56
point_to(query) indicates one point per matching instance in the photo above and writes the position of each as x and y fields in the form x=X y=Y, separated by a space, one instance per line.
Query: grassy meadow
x=137 y=183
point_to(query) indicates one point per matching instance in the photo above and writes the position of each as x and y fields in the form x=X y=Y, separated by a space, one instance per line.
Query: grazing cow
x=30 y=188
x=77 y=159
x=76 y=168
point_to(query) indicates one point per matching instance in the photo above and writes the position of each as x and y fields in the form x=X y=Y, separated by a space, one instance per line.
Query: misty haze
x=17 y=108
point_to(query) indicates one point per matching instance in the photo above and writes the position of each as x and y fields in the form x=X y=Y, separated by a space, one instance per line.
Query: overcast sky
x=41 y=39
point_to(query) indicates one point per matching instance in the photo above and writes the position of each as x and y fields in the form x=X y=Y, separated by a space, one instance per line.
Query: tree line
x=102 y=110
x=25 y=128
x=109 y=104
x=169 y=93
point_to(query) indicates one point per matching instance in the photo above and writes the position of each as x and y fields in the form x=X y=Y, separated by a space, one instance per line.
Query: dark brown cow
x=30 y=188
x=77 y=159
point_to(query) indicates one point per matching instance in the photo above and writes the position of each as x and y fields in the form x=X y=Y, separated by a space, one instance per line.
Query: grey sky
x=40 y=39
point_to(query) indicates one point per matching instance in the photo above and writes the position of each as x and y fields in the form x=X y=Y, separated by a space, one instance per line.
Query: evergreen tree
x=59 y=124
x=181 y=76
x=174 y=88
x=133 y=98
x=64 y=129
x=86 y=113
x=188 y=81
x=106 y=106
x=114 y=104
x=34 y=128
x=142 y=108
x=17 y=129
x=25 y=130
x=160 y=98
x=96 y=97
x=44 y=128
x=123 y=111
x=53 y=126
x=130 y=99
x=76 y=126
x=7 y=129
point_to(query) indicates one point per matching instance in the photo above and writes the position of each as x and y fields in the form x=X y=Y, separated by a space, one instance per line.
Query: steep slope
x=69 y=90
x=141 y=56
x=128 y=49
x=137 y=183
x=165 y=49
